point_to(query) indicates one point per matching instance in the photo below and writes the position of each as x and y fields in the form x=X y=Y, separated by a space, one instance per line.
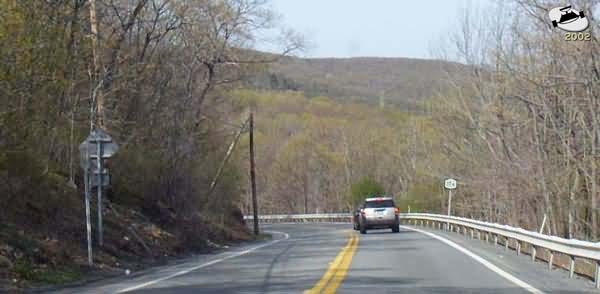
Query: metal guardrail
x=507 y=234
x=314 y=217
x=569 y=247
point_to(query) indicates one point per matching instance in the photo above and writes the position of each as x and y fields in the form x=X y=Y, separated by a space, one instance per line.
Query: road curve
x=310 y=258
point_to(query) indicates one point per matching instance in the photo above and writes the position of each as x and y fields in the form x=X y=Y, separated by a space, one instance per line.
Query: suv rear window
x=379 y=204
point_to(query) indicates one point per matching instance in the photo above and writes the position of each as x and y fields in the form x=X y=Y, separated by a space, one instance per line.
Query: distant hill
x=398 y=81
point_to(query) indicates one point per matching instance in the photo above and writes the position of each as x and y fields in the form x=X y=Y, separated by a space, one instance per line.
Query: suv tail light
x=397 y=210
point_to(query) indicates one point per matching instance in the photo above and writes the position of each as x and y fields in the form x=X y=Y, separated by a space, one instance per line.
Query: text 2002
x=578 y=36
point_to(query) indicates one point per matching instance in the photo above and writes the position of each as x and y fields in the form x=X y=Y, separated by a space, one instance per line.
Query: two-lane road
x=329 y=258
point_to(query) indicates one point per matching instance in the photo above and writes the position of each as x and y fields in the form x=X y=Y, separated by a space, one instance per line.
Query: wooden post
x=597 y=275
x=571 y=266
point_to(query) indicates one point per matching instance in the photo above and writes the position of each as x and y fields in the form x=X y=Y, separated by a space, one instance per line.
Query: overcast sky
x=393 y=28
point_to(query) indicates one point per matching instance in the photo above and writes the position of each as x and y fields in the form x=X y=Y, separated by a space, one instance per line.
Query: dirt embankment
x=37 y=250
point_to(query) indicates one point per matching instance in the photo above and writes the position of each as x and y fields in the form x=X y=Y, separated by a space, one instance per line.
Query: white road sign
x=89 y=149
x=450 y=184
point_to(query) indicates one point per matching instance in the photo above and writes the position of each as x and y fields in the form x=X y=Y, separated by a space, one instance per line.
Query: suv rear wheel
x=363 y=229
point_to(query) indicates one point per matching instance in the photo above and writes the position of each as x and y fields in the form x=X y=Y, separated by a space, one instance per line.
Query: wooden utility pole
x=98 y=114
x=97 y=88
x=253 y=175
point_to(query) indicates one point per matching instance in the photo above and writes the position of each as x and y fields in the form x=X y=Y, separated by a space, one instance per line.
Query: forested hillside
x=311 y=151
x=402 y=82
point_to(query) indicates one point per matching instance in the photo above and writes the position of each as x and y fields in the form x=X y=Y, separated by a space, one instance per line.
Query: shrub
x=365 y=187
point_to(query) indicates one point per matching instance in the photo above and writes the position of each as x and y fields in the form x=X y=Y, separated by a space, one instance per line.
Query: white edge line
x=481 y=260
x=183 y=272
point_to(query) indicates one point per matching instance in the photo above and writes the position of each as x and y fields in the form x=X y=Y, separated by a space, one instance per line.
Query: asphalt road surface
x=332 y=258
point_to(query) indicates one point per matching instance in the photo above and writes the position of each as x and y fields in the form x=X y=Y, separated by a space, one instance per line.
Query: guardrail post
x=495 y=240
x=472 y=234
x=487 y=237
x=597 y=274
x=506 y=241
x=518 y=247
x=533 y=252
x=551 y=260
x=571 y=266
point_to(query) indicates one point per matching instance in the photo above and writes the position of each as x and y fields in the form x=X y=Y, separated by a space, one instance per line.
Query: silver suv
x=378 y=213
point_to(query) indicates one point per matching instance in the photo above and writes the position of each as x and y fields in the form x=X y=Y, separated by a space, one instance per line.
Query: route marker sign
x=450 y=184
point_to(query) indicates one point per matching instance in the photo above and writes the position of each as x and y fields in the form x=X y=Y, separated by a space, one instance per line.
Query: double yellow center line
x=338 y=269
